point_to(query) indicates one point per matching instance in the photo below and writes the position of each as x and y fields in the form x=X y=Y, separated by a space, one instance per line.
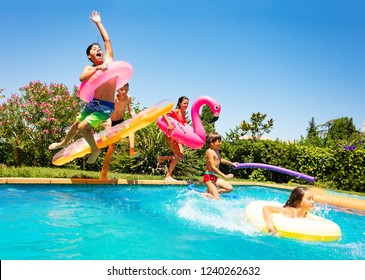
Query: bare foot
x=54 y=146
x=170 y=179
x=93 y=157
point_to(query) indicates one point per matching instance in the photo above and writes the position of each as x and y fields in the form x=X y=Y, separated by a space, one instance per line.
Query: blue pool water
x=155 y=223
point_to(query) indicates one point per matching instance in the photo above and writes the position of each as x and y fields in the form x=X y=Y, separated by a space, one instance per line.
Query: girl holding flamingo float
x=179 y=115
x=178 y=132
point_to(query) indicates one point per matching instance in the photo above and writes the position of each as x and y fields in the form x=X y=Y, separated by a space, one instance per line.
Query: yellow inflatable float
x=111 y=135
x=311 y=228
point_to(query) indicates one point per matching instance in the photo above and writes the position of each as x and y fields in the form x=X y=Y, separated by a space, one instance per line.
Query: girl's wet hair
x=296 y=197
x=214 y=136
x=181 y=99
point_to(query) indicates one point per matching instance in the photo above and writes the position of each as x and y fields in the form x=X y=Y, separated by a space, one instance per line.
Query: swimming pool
x=119 y=222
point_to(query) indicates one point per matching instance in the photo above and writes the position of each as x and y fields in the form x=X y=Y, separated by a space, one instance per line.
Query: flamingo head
x=215 y=107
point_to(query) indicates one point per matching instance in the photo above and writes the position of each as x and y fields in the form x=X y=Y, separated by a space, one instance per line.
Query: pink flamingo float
x=192 y=137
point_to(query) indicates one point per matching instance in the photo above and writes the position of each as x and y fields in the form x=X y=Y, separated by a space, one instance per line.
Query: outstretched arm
x=210 y=165
x=109 y=56
x=268 y=211
x=228 y=162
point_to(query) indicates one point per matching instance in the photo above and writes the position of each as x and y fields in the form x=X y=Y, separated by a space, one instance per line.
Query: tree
x=342 y=129
x=206 y=118
x=257 y=127
x=312 y=132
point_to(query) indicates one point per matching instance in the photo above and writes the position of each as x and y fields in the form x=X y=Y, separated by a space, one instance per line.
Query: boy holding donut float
x=101 y=107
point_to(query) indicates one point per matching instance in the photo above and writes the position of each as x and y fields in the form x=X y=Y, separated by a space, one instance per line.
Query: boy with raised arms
x=101 y=107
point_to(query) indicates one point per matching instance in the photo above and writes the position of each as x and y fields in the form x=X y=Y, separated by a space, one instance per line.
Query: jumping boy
x=102 y=106
x=122 y=101
x=215 y=185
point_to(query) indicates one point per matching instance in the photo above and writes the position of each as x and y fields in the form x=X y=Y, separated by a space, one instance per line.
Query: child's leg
x=224 y=186
x=161 y=159
x=70 y=134
x=108 y=156
x=212 y=190
x=85 y=130
x=131 y=141
x=178 y=154
x=132 y=152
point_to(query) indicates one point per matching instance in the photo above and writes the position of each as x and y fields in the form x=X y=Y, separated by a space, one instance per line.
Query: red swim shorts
x=210 y=177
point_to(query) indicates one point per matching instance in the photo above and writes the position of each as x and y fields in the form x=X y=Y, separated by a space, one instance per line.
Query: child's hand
x=133 y=114
x=102 y=67
x=95 y=17
x=272 y=230
x=170 y=127
x=106 y=125
x=229 y=176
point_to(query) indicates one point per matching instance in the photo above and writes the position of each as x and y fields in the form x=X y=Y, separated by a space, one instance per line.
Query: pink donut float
x=120 y=69
x=191 y=136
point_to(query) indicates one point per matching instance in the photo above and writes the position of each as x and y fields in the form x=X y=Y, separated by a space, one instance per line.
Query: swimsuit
x=177 y=117
x=210 y=176
x=96 y=112
x=117 y=122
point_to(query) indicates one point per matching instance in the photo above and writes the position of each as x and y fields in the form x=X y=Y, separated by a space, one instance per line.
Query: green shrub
x=340 y=167
x=31 y=121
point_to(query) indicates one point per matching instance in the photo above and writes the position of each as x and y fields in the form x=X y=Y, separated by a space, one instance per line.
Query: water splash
x=223 y=214
x=322 y=211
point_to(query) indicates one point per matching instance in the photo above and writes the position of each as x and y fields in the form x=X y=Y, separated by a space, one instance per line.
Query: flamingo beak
x=214 y=119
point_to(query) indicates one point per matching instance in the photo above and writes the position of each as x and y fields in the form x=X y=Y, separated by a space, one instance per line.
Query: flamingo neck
x=195 y=118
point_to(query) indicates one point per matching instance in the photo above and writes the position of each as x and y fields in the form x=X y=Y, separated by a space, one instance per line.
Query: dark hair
x=296 y=197
x=90 y=46
x=214 y=136
x=127 y=84
x=181 y=99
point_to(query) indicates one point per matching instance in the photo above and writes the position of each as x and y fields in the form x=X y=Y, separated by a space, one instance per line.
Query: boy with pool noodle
x=213 y=159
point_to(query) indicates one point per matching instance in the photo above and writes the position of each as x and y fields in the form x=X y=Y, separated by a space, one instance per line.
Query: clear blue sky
x=292 y=60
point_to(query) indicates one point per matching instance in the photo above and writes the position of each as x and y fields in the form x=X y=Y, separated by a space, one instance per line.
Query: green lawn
x=43 y=172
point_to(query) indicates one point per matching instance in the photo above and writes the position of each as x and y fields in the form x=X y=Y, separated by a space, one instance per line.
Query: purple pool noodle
x=275 y=168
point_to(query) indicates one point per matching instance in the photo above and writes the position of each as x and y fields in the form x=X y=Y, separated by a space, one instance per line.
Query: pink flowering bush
x=32 y=120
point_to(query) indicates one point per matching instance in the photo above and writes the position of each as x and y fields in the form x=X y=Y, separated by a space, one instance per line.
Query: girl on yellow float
x=297 y=206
